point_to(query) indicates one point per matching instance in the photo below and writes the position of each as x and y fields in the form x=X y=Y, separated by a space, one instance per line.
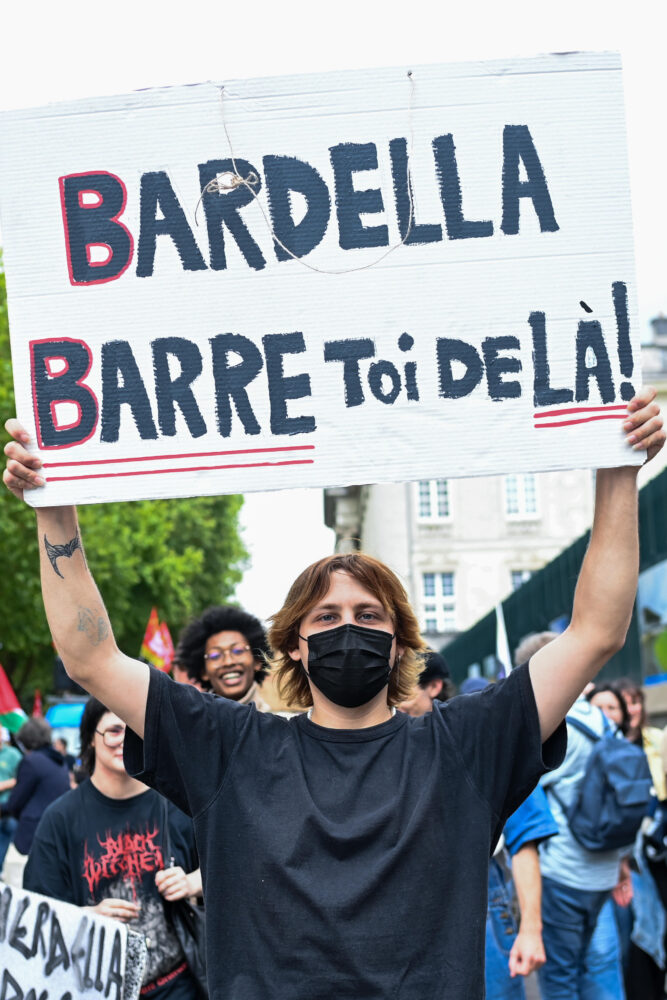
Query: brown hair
x=625 y=685
x=309 y=588
x=35 y=733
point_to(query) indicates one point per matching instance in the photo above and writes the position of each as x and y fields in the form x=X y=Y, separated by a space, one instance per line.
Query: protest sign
x=323 y=280
x=50 y=950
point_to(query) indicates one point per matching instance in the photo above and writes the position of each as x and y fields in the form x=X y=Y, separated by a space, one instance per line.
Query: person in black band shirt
x=345 y=851
x=102 y=846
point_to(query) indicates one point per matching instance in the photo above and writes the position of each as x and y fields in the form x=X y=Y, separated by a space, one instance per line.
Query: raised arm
x=605 y=591
x=77 y=617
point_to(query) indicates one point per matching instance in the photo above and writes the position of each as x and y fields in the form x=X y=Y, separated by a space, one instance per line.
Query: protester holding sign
x=347 y=850
x=103 y=846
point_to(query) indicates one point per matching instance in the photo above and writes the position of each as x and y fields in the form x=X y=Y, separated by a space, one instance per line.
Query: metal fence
x=549 y=593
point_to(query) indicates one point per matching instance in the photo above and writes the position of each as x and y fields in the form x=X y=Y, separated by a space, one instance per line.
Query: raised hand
x=21 y=471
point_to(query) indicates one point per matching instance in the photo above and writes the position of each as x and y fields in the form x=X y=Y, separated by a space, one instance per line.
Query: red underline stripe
x=193 y=454
x=579 y=409
x=582 y=420
x=196 y=468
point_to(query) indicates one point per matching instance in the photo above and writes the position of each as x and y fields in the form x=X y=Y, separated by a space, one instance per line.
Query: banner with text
x=50 y=950
x=323 y=280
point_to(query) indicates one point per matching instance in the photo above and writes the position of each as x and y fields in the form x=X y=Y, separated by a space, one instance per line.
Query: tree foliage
x=180 y=555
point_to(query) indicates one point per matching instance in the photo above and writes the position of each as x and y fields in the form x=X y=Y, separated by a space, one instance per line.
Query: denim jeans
x=500 y=936
x=569 y=917
x=603 y=973
x=7 y=827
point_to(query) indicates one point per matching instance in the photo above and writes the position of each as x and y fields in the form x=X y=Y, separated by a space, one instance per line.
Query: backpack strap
x=592 y=736
x=583 y=728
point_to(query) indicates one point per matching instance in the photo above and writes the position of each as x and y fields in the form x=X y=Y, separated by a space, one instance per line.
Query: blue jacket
x=41 y=778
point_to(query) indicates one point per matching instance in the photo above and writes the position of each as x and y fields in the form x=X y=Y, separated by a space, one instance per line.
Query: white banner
x=51 y=950
x=323 y=280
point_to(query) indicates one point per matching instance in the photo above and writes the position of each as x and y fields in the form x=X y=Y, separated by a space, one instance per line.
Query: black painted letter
x=350 y=352
x=231 y=380
x=59 y=368
x=92 y=204
x=282 y=387
x=157 y=192
x=172 y=392
x=518 y=146
x=285 y=174
x=450 y=350
x=122 y=383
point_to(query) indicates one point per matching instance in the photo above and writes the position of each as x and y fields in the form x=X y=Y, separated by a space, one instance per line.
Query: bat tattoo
x=55 y=552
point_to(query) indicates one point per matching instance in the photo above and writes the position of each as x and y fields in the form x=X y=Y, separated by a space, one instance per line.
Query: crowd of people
x=584 y=921
x=344 y=850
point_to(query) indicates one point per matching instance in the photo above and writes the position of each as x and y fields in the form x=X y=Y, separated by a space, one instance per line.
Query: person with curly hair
x=225 y=651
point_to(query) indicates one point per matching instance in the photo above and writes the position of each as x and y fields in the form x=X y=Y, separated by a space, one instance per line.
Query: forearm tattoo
x=55 y=552
x=93 y=626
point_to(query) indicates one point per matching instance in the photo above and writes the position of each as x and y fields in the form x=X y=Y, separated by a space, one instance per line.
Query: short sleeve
x=48 y=868
x=189 y=740
x=532 y=822
x=497 y=734
x=182 y=836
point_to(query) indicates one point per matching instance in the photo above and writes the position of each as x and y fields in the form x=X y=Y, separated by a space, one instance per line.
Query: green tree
x=179 y=555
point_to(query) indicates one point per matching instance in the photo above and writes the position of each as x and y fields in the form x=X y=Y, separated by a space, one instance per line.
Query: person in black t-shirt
x=345 y=851
x=102 y=846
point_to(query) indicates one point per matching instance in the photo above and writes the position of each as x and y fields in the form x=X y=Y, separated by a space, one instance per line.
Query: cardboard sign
x=323 y=280
x=51 y=950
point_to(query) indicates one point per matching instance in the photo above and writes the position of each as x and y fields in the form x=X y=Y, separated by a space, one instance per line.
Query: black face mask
x=349 y=664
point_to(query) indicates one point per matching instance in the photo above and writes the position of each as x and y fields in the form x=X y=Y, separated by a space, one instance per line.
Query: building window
x=521 y=496
x=519 y=577
x=433 y=500
x=439 y=601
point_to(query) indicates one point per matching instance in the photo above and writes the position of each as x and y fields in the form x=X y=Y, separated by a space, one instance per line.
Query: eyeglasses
x=113 y=736
x=218 y=653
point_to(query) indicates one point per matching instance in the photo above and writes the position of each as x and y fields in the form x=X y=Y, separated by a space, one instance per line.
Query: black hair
x=625 y=715
x=436 y=669
x=221 y=618
x=34 y=734
x=92 y=714
x=625 y=685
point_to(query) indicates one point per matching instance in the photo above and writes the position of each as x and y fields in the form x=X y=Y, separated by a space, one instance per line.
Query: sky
x=58 y=51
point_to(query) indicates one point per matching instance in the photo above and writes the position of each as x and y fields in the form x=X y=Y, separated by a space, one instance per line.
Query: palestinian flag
x=157 y=646
x=12 y=715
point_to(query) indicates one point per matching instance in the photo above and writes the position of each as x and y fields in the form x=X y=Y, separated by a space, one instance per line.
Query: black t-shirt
x=89 y=847
x=346 y=864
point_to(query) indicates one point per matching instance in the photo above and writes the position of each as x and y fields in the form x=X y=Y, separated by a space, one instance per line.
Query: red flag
x=157 y=646
x=167 y=645
x=37 y=704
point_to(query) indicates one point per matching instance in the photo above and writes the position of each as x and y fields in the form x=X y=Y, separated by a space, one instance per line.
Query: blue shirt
x=532 y=821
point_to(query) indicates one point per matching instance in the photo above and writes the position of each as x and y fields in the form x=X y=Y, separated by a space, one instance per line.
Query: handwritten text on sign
x=467 y=240
x=50 y=950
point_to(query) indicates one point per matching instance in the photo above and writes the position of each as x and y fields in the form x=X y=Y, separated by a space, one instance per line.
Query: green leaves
x=180 y=555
